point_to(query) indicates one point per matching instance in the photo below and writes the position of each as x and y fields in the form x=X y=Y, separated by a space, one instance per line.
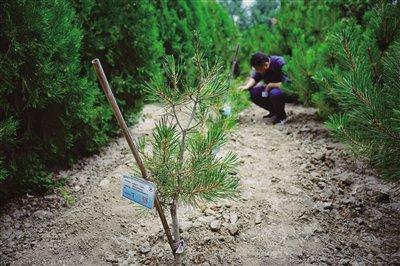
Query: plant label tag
x=180 y=248
x=139 y=190
x=227 y=110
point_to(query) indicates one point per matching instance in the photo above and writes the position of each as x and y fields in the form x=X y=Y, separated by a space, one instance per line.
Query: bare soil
x=303 y=200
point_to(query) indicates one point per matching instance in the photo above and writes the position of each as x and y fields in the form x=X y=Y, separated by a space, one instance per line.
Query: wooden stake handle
x=122 y=124
x=234 y=63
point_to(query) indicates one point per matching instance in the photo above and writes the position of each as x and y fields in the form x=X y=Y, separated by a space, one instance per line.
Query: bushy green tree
x=261 y=11
x=125 y=36
x=175 y=29
x=368 y=89
x=233 y=7
x=48 y=114
x=179 y=20
x=221 y=29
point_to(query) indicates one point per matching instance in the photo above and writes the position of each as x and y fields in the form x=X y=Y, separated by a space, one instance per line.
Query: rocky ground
x=303 y=200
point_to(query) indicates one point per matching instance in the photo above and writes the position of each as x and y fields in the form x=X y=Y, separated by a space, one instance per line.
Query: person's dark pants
x=274 y=103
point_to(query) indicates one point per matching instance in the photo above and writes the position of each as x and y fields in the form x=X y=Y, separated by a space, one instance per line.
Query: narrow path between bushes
x=302 y=200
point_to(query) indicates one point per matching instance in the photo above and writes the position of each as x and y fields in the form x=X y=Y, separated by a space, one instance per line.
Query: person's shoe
x=269 y=115
x=280 y=121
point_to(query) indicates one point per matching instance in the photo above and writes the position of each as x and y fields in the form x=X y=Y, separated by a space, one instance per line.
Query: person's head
x=260 y=62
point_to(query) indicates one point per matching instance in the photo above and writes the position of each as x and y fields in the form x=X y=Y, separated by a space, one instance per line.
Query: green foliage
x=303 y=65
x=48 y=113
x=302 y=33
x=182 y=158
x=368 y=90
x=236 y=100
x=179 y=19
x=175 y=32
x=342 y=57
x=261 y=11
x=124 y=36
x=65 y=193
x=222 y=31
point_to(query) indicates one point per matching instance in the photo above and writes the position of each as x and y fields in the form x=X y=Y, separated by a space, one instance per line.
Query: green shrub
x=124 y=36
x=48 y=113
x=368 y=91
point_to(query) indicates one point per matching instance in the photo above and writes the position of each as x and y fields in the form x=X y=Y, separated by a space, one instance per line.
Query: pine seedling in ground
x=182 y=153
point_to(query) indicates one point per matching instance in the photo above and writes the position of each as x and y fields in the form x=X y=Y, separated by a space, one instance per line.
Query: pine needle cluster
x=368 y=89
x=181 y=154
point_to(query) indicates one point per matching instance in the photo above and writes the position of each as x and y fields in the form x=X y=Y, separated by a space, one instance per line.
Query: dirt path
x=303 y=201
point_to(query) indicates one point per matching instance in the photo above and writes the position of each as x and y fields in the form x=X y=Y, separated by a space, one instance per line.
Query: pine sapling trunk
x=174 y=204
x=175 y=228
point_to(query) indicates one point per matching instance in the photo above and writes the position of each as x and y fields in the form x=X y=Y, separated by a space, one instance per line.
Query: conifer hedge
x=49 y=114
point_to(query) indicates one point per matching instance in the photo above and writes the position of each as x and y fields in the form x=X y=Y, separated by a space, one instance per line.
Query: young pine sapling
x=181 y=155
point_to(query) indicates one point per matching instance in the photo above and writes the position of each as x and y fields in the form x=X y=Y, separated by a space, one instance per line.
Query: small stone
x=111 y=259
x=205 y=219
x=51 y=197
x=77 y=188
x=228 y=205
x=7 y=219
x=185 y=226
x=395 y=206
x=321 y=185
x=257 y=218
x=233 y=230
x=315 y=177
x=275 y=179
x=17 y=214
x=321 y=157
x=233 y=218
x=349 y=201
x=42 y=214
x=104 y=183
x=145 y=248
x=327 y=206
x=197 y=224
x=209 y=212
x=318 y=207
x=345 y=179
x=215 y=225
x=326 y=194
x=27 y=225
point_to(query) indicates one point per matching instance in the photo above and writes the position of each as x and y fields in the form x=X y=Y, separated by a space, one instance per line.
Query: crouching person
x=268 y=95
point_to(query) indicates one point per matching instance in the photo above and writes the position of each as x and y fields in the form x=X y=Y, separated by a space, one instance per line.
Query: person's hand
x=268 y=87
x=242 y=88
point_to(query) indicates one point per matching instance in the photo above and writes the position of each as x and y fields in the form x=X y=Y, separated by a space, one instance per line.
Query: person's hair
x=258 y=59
